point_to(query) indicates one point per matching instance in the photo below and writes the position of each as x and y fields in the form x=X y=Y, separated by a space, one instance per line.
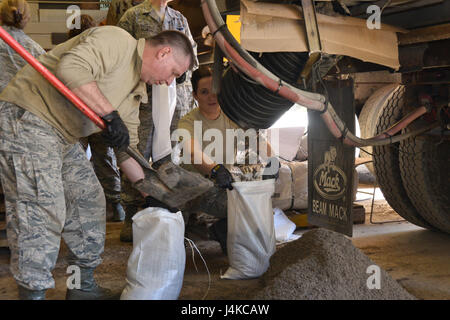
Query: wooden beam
x=59 y=15
x=426 y=34
x=45 y=27
x=44 y=40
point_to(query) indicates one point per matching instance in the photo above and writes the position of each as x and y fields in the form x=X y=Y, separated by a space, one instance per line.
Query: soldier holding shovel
x=50 y=187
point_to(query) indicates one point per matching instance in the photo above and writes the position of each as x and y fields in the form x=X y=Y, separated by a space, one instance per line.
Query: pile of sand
x=321 y=265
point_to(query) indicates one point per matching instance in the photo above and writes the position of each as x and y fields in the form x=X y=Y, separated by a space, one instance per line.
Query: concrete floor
x=417 y=258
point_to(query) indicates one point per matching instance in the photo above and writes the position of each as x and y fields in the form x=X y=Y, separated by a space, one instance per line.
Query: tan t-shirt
x=195 y=121
x=107 y=55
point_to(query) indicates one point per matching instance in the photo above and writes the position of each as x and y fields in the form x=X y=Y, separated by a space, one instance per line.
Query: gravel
x=324 y=265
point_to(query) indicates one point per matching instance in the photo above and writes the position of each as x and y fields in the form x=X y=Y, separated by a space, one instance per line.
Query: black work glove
x=272 y=169
x=181 y=78
x=152 y=202
x=116 y=132
x=222 y=176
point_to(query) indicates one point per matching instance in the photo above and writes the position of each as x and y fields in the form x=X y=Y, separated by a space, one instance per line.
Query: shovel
x=188 y=185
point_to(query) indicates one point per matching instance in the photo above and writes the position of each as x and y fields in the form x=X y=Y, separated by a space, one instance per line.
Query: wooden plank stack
x=45 y=22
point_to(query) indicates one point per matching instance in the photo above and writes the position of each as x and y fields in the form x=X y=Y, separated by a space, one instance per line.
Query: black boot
x=126 y=234
x=27 y=294
x=218 y=232
x=89 y=289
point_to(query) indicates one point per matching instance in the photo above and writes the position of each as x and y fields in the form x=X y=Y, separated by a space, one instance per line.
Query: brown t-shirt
x=196 y=121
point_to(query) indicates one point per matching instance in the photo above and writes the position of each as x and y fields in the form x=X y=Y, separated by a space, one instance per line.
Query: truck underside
x=413 y=173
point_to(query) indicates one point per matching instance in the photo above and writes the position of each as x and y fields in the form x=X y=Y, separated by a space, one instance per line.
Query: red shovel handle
x=55 y=82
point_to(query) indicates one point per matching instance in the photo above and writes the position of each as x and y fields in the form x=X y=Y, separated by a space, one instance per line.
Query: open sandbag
x=251 y=232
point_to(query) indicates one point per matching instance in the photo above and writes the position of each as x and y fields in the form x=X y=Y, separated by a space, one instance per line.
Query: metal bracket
x=313 y=37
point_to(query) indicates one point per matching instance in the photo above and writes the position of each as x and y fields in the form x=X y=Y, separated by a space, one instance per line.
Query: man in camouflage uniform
x=51 y=190
x=103 y=158
x=117 y=8
x=144 y=20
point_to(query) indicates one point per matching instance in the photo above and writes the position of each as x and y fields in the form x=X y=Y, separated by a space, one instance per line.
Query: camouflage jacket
x=10 y=61
x=117 y=8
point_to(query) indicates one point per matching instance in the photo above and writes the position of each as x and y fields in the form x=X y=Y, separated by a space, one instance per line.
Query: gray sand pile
x=324 y=265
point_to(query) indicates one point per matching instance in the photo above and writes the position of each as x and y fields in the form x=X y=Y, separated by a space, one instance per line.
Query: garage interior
x=400 y=216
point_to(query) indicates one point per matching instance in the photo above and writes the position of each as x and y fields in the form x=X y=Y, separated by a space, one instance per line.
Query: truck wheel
x=369 y=112
x=386 y=163
x=424 y=165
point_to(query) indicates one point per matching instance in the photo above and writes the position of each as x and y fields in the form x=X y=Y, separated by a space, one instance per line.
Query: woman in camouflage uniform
x=14 y=16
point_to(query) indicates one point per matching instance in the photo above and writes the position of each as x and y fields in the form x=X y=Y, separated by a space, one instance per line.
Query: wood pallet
x=46 y=24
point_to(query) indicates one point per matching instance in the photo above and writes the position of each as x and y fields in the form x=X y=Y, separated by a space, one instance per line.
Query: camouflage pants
x=130 y=197
x=105 y=167
x=50 y=191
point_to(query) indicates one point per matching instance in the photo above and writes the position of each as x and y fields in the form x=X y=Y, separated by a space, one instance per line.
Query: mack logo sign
x=329 y=180
x=331 y=164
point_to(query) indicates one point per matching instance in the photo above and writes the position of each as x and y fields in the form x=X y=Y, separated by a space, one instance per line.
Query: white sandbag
x=284 y=228
x=282 y=197
x=251 y=233
x=300 y=184
x=164 y=100
x=156 y=264
x=302 y=152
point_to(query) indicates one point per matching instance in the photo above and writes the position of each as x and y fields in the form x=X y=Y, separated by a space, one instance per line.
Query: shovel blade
x=184 y=185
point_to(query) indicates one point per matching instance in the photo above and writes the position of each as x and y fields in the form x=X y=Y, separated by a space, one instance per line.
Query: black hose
x=251 y=105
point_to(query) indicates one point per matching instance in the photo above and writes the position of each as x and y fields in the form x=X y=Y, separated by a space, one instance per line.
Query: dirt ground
x=418 y=259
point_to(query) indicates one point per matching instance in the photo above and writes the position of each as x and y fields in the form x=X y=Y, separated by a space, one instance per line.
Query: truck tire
x=386 y=163
x=370 y=111
x=424 y=168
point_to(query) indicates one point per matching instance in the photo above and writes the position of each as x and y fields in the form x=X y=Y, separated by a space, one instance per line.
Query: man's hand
x=181 y=78
x=116 y=132
x=222 y=176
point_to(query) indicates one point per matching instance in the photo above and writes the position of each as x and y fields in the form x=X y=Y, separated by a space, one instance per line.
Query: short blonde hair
x=14 y=13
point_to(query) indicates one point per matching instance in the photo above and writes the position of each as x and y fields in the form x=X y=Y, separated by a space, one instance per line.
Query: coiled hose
x=242 y=60
x=251 y=105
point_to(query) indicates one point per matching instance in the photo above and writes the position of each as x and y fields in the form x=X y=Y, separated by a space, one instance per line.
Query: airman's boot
x=27 y=294
x=89 y=289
